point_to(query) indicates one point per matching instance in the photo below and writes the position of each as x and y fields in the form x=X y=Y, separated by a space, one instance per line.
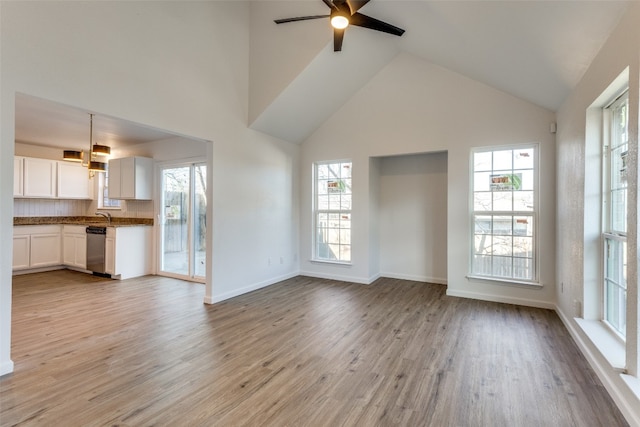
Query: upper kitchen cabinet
x=73 y=181
x=18 y=186
x=39 y=177
x=131 y=178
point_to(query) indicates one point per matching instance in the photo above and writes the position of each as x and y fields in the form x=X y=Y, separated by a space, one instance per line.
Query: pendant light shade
x=101 y=150
x=97 y=166
x=72 y=155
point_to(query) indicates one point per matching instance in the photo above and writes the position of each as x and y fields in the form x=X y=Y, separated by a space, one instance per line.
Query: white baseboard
x=498 y=298
x=415 y=278
x=610 y=377
x=6 y=367
x=338 y=277
x=236 y=292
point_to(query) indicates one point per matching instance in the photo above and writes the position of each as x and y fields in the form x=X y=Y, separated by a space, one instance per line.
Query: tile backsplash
x=51 y=207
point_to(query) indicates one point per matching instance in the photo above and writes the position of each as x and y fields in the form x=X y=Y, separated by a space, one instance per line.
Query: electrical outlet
x=281 y=260
x=269 y=261
x=562 y=287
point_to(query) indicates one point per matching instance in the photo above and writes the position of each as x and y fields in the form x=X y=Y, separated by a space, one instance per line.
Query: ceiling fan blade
x=330 y=4
x=365 y=21
x=338 y=35
x=355 y=5
x=299 y=18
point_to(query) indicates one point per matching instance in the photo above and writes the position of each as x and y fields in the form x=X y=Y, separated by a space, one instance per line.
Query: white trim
x=428 y=279
x=245 y=290
x=350 y=279
x=501 y=281
x=606 y=341
x=624 y=399
x=499 y=298
x=333 y=262
x=6 y=367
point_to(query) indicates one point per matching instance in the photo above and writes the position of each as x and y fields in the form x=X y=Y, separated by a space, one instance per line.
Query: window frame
x=103 y=186
x=316 y=256
x=534 y=214
x=611 y=235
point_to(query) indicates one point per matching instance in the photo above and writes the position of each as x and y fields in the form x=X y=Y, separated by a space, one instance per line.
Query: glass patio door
x=183 y=210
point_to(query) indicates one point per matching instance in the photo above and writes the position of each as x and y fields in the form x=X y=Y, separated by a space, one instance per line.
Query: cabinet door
x=45 y=250
x=21 y=249
x=68 y=249
x=144 y=178
x=17 y=176
x=73 y=181
x=114 y=179
x=81 y=251
x=39 y=178
x=128 y=178
x=110 y=255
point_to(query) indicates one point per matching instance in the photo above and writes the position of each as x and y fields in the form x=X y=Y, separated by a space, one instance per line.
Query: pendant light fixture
x=94 y=165
x=89 y=159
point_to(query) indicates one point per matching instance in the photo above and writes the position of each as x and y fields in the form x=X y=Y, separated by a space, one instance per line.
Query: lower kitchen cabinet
x=36 y=246
x=129 y=251
x=74 y=246
x=21 y=252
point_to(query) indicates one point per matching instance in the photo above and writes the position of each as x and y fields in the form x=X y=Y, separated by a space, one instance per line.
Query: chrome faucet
x=107 y=215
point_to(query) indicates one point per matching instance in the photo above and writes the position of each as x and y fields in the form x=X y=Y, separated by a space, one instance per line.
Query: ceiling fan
x=345 y=13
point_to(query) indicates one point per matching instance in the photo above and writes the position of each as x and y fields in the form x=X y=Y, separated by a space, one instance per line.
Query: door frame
x=169 y=164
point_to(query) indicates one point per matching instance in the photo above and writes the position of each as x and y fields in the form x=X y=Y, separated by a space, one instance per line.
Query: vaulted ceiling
x=535 y=50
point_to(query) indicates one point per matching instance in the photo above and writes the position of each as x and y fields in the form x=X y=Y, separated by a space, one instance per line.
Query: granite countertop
x=81 y=220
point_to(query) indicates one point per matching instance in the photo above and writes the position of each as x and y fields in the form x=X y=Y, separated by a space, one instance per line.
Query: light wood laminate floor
x=304 y=352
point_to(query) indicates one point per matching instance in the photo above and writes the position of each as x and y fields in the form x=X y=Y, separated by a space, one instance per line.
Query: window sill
x=325 y=261
x=505 y=281
x=607 y=343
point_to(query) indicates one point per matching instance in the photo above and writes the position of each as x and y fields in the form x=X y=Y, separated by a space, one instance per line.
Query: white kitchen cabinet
x=21 y=250
x=18 y=176
x=73 y=181
x=36 y=246
x=74 y=246
x=131 y=178
x=110 y=251
x=39 y=177
x=129 y=251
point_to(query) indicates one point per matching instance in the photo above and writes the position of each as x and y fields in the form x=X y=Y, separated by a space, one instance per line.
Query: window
x=504 y=214
x=614 y=199
x=332 y=212
x=104 y=201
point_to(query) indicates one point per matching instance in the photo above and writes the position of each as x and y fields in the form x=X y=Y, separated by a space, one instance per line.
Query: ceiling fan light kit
x=339 y=20
x=345 y=13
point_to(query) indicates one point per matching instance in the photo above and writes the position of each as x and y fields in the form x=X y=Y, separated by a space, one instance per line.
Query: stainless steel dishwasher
x=95 y=249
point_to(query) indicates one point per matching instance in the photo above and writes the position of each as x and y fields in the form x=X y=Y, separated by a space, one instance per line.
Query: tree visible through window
x=504 y=214
x=333 y=212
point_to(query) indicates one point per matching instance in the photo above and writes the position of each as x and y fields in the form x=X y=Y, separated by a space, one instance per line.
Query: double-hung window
x=504 y=213
x=332 y=211
x=104 y=202
x=614 y=210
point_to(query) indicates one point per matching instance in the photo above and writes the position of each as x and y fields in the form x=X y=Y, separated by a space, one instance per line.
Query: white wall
x=578 y=242
x=413 y=217
x=413 y=106
x=180 y=66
